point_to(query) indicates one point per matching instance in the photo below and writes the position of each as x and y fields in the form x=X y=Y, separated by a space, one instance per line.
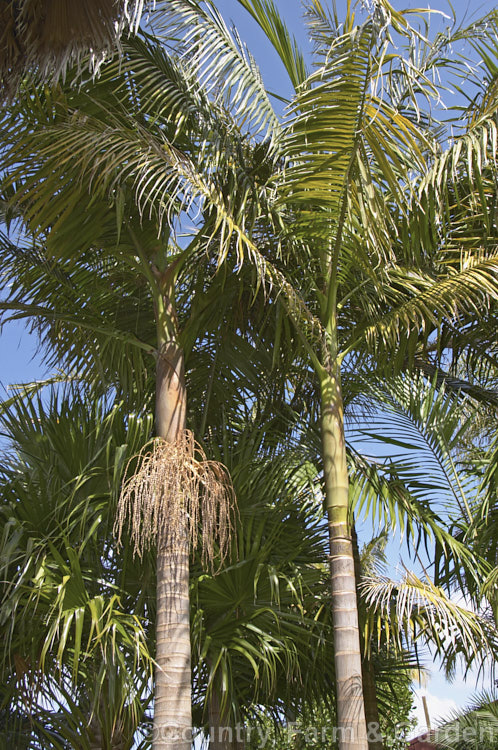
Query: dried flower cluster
x=177 y=496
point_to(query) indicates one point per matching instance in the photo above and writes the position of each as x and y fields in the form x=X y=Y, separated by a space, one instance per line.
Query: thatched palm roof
x=45 y=36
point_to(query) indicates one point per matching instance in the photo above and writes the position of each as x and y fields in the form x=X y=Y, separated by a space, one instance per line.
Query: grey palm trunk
x=222 y=736
x=172 y=697
x=351 y=725
x=375 y=739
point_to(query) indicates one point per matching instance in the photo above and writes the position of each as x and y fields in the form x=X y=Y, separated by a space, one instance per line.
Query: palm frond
x=474 y=727
x=412 y=473
x=418 y=417
x=46 y=38
x=99 y=306
x=258 y=614
x=68 y=599
x=220 y=63
x=421 y=303
x=424 y=612
x=322 y=136
x=271 y=22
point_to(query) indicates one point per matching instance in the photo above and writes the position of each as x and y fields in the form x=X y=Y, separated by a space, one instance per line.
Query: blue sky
x=19 y=361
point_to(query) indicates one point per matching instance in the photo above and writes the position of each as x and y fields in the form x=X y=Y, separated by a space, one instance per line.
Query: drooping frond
x=420 y=429
x=425 y=613
x=420 y=303
x=412 y=474
x=465 y=171
x=487 y=47
x=94 y=319
x=379 y=492
x=46 y=37
x=165 y=163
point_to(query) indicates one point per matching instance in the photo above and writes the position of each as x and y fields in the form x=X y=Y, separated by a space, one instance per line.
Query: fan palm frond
x=68 y=600
x=251 y=620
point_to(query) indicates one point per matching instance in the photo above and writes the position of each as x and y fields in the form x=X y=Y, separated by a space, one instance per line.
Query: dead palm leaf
x=47 y=36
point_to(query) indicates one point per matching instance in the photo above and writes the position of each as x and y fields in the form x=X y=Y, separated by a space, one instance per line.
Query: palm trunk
x=218 y=738
x=172 y=699
x=375 y=740
x=351 y=728
x=221 y=735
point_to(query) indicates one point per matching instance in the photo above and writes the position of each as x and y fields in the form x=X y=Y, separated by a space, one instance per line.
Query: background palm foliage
x=68 y=597
x=474 y=727
x=261 y=624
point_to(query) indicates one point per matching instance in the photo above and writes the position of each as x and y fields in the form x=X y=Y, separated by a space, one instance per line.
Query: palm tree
x=121 y=240
x=341 y=192
x=366 y=289
x=69 y=461
x=53 y=292
x=100 y=295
